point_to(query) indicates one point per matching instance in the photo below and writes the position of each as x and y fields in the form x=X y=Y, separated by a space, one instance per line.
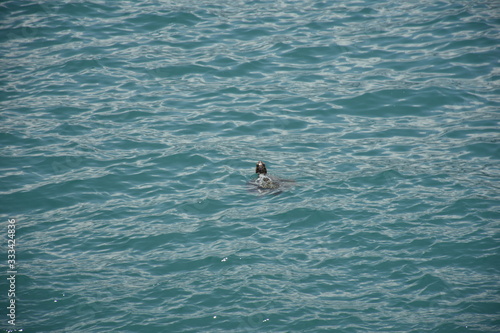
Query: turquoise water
x=129 y=132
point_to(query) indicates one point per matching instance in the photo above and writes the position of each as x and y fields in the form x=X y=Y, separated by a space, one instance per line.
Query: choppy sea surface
x=129 y=133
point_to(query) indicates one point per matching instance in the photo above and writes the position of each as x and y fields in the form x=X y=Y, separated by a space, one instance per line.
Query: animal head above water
x=260 y=168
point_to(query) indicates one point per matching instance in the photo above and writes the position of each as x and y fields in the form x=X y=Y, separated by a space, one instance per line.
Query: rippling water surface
x=130 y=131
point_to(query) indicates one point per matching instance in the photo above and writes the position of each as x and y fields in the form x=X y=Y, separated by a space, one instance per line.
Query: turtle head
x=260 y=168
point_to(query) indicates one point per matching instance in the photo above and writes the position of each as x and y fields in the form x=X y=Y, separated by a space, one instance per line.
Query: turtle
x=268 y=182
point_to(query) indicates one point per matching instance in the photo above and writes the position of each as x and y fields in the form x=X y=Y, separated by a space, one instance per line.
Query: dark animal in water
x=267 y=182
x=264 y=181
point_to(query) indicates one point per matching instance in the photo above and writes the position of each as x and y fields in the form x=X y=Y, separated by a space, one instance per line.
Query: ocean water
x=129 y=131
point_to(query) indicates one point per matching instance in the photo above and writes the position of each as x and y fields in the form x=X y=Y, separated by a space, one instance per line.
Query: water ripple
x=129 y=132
